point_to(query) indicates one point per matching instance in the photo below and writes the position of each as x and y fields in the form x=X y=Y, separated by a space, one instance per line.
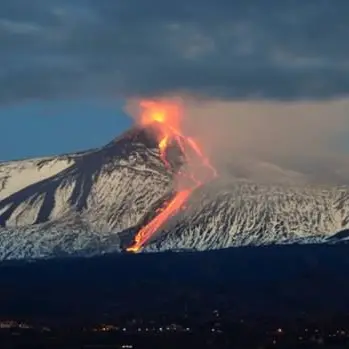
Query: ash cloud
x=301 y=141
x=232 y=50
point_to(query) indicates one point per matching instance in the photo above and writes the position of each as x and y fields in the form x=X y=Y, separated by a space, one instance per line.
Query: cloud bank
x=223 y=49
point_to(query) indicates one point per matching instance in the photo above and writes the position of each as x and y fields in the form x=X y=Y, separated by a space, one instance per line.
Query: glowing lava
x=167 y=118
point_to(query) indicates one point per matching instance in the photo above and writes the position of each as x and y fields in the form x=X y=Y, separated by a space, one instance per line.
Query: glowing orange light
x=167 y=117
x=166 y=113
x=170 y=208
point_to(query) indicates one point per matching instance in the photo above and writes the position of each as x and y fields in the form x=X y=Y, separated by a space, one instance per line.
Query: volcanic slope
x=95 y=202
x=79 y=202
x=230 y=212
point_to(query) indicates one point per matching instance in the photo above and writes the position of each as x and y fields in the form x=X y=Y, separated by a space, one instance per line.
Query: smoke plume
x=299 y=141
x=305 y=137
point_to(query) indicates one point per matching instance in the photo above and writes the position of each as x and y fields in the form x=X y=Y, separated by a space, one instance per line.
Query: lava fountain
x=166 y=118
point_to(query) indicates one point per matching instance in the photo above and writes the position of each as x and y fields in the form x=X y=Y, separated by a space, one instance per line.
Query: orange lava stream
x=170 y=208
x=167 y=116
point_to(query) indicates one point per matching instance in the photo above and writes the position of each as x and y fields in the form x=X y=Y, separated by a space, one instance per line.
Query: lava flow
x=166 y=117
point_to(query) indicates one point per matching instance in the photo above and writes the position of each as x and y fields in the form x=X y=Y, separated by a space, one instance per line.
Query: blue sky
x=53 y=127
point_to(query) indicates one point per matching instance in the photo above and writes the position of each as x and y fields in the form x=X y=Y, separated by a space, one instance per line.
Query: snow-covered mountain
x=95 y=201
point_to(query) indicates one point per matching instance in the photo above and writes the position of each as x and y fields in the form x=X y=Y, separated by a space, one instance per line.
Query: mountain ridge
x=94 y=202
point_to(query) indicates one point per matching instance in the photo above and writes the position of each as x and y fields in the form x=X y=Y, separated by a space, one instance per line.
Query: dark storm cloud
x=226 y=49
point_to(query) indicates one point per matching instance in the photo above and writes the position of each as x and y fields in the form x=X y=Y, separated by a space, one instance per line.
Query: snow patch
x=26 y=213
x=61 y=200
x=4 y=209
x=17 y=175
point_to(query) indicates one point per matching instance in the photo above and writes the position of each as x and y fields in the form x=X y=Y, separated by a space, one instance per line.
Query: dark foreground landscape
x=276 y=296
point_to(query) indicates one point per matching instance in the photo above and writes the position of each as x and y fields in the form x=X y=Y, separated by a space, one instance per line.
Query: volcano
x=100 y=201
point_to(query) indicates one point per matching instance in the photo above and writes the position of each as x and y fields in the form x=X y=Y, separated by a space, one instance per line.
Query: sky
x=67 y=68
x=50 y=127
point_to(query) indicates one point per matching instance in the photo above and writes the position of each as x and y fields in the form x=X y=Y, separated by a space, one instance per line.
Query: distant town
x=204 y=332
